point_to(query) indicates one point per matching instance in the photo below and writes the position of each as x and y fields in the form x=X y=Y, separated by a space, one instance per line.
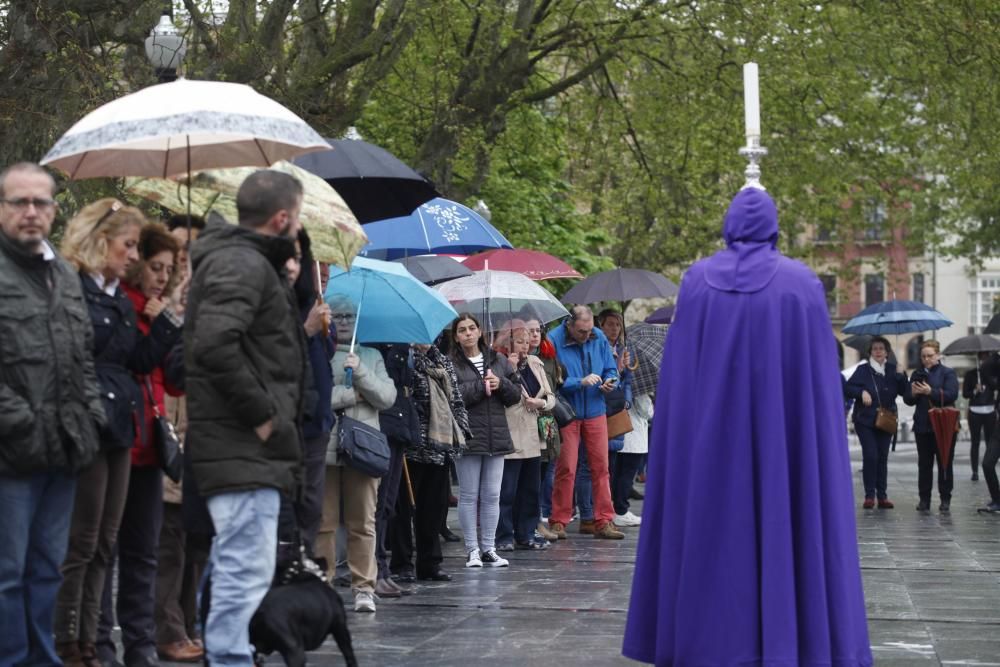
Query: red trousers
x=594 y=434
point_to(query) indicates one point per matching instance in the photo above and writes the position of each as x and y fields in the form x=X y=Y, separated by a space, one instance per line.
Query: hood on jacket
x=750 y=230
x=277 y=249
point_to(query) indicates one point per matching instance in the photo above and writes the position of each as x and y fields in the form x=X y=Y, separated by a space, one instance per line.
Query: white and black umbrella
x=182 y=126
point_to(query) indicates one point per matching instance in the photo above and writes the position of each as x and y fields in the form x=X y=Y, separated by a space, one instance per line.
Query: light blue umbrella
x=439 y=226
x=392 y=305
x=896 y=317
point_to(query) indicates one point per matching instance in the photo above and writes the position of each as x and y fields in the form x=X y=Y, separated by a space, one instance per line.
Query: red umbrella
x=944 y=421
x=534 y=264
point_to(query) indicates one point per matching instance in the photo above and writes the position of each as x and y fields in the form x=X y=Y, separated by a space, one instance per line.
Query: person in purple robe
x=748 y=553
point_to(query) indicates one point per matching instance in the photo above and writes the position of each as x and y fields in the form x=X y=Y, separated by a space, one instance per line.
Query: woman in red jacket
x=148 y=285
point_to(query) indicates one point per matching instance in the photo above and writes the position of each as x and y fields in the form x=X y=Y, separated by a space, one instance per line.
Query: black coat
x=987 y=397
x=245 y=362
x=121 y=350
x=944 y=391
x=487 y=417
x=883 y=389
x=50 y=406
x=400 y=422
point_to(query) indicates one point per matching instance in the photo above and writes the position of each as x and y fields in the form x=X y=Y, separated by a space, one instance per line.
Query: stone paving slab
x=932 y=587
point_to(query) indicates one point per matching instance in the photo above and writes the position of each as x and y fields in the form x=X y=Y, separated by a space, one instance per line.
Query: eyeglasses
x=342 y=316
x=22 y=203
x=115 y=206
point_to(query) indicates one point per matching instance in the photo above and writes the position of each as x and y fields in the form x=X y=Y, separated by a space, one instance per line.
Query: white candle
x=751 y=100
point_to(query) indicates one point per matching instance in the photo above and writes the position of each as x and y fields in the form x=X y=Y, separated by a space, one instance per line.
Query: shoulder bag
x=362 y=447
x=168 y=446
x=563 y=411
x=885 y=419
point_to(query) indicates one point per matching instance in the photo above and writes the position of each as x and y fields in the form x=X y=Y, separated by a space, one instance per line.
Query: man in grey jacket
x=50 y=409
x=245 y=363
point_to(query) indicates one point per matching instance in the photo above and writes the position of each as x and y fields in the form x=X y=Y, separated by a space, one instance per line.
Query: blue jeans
x=519 y=512
x=545 y=493
x=34 y=525
x=875 y=459
x=241 y=567
x=584 y=490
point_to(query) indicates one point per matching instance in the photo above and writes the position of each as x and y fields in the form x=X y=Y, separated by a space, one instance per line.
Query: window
x=984 y=291
x=918 y=287
x=830 y=289
x=875 y=219
x=874 y=289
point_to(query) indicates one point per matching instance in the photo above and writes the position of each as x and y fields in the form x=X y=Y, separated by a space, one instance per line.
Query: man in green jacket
x=245 y=363
x=50 y=409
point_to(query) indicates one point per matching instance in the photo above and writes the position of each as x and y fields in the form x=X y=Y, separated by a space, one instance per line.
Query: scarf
x=442 y=431
x=876 y=366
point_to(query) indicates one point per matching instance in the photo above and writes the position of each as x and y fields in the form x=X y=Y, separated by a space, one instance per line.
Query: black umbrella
x=973 y=345
x=663 y=315
x=859 y=342
x=434 y=269
x=994 y=326
x=620 y=285
x=373 y=181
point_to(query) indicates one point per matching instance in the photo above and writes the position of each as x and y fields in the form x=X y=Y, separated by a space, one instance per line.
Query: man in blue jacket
x=591 y=372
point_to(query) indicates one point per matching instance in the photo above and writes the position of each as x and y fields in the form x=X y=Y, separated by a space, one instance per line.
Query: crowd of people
x=221 y=331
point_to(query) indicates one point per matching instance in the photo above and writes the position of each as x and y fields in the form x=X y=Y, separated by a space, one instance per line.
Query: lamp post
x=165 y=49
x=482 y=209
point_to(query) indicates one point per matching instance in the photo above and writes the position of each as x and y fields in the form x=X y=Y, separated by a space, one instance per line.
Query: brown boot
x=609 y=532
x=182 y=651
x=586 y=527
x=558 y=529
x=69 y=652
x=88 y=654
x=544 y=531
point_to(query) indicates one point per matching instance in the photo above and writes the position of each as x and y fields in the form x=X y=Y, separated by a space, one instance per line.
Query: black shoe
x=404 y=578
x=437 y=575
x=449 y=536
x=924 y=506
x=635 y=494
x=142 y=661
x=945 y=506
x=975 y=477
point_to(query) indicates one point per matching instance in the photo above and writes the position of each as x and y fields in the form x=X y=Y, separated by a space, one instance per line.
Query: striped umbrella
x=896 y=317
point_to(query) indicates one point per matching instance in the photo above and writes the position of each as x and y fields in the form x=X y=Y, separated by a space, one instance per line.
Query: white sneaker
x=475 y=559
x=364 y=602
x=628 y=519
x=491 y=558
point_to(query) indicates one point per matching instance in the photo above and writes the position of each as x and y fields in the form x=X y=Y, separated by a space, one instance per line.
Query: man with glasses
x=244 y=353
x=50 y=410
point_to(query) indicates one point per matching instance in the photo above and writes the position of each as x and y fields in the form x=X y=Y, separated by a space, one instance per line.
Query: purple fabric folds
x=748 y=550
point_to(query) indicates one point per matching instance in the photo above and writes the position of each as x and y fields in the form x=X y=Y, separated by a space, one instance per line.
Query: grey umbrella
x=434 y=269
x=620 y=285
x=973 y=345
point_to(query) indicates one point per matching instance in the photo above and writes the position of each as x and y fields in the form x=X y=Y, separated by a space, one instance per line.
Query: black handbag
x=165 y=441
x=563 y=411
x=362 y=447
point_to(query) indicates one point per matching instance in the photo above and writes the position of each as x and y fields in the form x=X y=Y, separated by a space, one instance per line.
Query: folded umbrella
x=944 y=422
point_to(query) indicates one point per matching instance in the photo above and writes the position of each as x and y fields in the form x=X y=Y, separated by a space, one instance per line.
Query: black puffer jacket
x=49 y=400
x=245 y=360
x=399 y=423
x=487 y=418
x=121 y=350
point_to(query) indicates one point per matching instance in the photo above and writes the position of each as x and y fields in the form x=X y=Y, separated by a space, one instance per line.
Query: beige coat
x=524 y=424
x=372 y=390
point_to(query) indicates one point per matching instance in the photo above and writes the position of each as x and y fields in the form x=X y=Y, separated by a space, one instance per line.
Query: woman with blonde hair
x=101 y=242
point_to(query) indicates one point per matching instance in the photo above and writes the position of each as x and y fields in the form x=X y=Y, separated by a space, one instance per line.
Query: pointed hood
x=751 y=232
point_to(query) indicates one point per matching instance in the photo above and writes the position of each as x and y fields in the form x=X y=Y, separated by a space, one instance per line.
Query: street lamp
x=165 y=49
x=482 y=209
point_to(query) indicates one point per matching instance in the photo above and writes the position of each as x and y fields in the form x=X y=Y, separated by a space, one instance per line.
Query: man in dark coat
x=50 y=410
x=245 y=361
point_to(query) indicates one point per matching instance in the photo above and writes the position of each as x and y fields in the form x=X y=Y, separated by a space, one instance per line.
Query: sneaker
x=506 y=546
x=536 y=544
x=609 y=532
x=869 y=503
x=491 y=558
x=543 y=531
x=992 y=507
x=635 y=494
x=627 y=520
x=885 y=504
x=559 y=529
x=475 y=559
x=586 y=526
x=364 y=602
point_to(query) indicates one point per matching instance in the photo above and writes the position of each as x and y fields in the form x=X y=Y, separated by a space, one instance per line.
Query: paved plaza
x=932 y=585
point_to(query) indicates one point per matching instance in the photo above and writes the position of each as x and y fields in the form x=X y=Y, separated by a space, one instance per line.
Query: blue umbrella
x=440 y=226
x=392 y=305
x=896 y=317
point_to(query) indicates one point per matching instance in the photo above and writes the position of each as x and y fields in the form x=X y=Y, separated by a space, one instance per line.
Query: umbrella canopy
x=434 y=269
x=535 y=264
x=498 y=295
x=620 y=285
x=973 y=345
x=896 y=317
x=663 y=315
x=438 y=226
x=335 y=233
x=859 y=342
x=392 y=305
x=179 y=127
x=647 y=341
x=374 y=182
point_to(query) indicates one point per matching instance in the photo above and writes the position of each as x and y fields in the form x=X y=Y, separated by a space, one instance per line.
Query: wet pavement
x=932 y=584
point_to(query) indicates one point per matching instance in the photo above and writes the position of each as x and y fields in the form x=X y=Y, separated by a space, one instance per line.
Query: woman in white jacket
x=371 y=390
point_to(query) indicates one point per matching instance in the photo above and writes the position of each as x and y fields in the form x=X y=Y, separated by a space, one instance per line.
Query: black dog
x=298 y=614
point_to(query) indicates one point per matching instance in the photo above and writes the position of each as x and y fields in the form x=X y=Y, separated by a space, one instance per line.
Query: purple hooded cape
x=748 y=552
